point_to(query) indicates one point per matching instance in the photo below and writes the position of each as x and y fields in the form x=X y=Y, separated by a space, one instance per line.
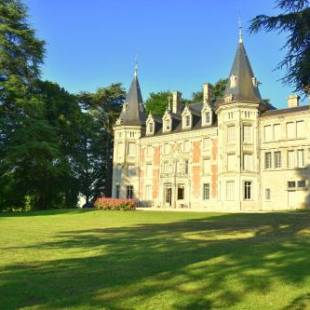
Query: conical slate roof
x=242 y=84
x=133 y=112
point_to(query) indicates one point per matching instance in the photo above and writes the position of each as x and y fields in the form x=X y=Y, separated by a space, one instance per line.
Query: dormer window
x=119 y=121
x=150 y=128
x=187 y=120
x=167 y=125
x=254 y=81
x=167 y=122
x=206 y=115
x=150 y=125
x=233 y=81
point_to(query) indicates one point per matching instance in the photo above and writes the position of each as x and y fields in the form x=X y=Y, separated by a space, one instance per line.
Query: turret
x=237 y=115
x=129 y=127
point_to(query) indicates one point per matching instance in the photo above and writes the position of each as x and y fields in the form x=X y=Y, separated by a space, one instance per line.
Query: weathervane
x=240 y=29
x=136 y=66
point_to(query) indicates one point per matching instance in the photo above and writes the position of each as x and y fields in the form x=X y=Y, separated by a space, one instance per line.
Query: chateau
x=237 y=153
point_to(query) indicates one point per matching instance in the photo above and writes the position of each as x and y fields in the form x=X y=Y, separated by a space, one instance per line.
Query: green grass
x=154 y=260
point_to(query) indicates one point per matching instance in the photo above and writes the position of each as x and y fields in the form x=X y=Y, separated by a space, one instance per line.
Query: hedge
x=115 y=204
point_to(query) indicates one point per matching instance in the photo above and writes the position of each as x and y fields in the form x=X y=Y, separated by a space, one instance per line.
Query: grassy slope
x=155 y=260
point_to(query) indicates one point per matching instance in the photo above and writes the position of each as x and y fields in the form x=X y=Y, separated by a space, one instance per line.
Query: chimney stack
x=207 y=93
x=176 y=102
x=293 y=101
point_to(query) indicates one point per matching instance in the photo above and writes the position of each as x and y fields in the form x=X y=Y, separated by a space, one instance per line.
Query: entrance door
x=292 y=199
x=168 y=196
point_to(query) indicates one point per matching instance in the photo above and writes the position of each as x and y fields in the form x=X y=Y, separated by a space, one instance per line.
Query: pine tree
x=295 y=20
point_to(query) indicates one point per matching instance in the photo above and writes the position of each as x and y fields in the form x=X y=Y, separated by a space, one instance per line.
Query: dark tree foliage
x=295 y=20
x=217 y=90
x=157 y=103
x=101 y=109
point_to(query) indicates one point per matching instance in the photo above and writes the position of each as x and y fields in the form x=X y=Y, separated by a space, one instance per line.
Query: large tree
x=295 y=21
x=94 y=168
x=157 y=102
x=21 y=54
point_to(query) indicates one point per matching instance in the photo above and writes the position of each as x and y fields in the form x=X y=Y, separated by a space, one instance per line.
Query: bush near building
x=116 y=204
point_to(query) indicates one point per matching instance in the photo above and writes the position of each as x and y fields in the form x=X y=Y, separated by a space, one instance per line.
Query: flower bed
x=115 y=204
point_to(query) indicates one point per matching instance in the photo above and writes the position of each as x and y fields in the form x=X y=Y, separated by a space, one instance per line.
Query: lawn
x=154 y=260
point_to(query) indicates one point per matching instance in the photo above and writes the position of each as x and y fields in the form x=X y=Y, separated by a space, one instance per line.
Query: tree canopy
x=53 y=145
x=295 y=21
x=157 y=102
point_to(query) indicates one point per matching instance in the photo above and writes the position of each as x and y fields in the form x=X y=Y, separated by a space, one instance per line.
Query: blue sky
x=180 y=43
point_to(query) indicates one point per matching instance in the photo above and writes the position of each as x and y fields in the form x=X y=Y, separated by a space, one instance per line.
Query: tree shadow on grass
x=44 y=212
x=213 y=262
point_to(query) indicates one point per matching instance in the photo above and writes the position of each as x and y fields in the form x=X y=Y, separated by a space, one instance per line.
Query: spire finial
x=240 y=30
x=136 y=66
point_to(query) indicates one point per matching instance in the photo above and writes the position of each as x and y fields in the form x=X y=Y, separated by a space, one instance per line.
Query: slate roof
x=133 y=112
x=286 y=110
x=241 y=68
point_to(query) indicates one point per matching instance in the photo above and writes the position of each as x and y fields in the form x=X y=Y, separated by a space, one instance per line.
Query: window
x=148 y=192
x=167 y=124
x=301 y=183
x=180 y=192
x=206 y=143
x=247 y=133
x=231 y=137
x=247 y=190
x=291 y=159
x=206 y=166
x=291 y=184
x=267 y=133
x=290 y=130
x=118 y=172
x=131 y=149
x=206 y=191
x=129 y=192
x=267 y=194
x=166 y=167
x=300 y=129
x=151 y=127
x=186 y=146
x=248 y=162
x=120 y=150
x=187 y=120
x=131 y=134
x=233 y=81
x=277 y=159
x=207 y=117
x=230 y=162
x=117 y=191
x=277 y=132
x=230 y=190
x=300 y=159
x=149 y=150
x=131 y=170
x=268 y=160
x=148 y=170
x=186 y=166
x=166 y=148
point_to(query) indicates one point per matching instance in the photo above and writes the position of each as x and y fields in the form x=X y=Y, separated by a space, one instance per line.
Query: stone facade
x=236 y=153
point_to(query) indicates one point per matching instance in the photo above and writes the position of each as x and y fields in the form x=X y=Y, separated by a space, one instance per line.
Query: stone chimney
x=176 y=102
x=293 y=101
x=207 y=93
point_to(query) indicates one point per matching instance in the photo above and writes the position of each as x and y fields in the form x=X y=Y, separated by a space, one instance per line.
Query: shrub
x=115 y=204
